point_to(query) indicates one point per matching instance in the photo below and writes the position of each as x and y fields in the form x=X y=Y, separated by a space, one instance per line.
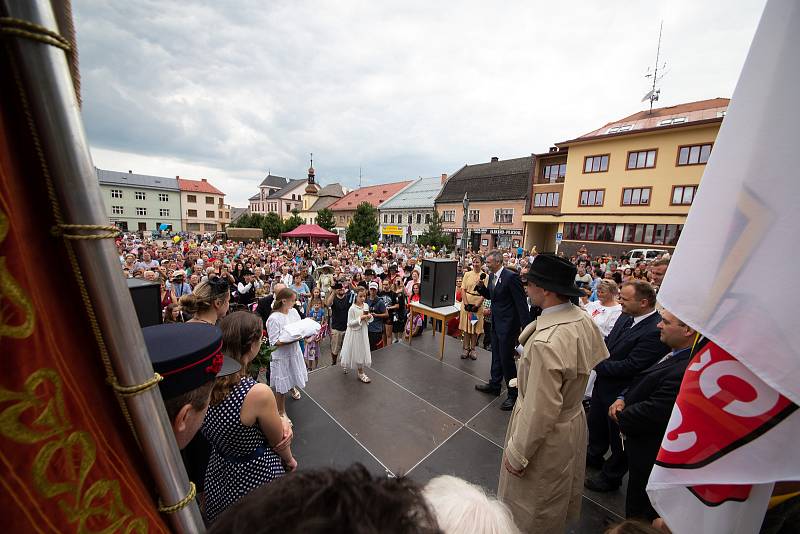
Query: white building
x=406 y=215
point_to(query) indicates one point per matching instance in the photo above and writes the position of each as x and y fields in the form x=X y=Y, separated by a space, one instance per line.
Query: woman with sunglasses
x=209 y=302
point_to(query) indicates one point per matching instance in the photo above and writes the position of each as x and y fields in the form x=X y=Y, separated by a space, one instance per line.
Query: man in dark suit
x=509 y=315
x=644 y=410
x=634 y=345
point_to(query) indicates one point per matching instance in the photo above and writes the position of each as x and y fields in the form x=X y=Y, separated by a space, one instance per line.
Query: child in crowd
x=316 y=311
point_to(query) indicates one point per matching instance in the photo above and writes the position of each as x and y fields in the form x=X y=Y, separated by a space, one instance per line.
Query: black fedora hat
x=552 y=273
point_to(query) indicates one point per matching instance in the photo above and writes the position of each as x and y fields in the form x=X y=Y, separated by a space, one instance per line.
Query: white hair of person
x=461 y=508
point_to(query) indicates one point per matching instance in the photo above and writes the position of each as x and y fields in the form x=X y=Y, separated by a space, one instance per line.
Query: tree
x=363 y=228
x=272 y=225
x=248 y=220
x=433 y=235
x=326 y=219
x=293 y=222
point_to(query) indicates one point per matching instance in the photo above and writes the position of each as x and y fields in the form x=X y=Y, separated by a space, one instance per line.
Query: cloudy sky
x=229 y=90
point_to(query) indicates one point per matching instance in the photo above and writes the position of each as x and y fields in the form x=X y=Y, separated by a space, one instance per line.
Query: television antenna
x=654 y=92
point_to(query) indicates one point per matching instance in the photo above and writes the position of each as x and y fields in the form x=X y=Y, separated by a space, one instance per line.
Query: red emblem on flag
x=722 y=405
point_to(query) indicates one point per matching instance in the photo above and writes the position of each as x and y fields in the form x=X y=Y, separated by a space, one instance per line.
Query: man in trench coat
x=541 y=478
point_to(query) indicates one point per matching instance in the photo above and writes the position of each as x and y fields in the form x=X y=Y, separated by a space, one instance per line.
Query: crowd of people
x=591 y=369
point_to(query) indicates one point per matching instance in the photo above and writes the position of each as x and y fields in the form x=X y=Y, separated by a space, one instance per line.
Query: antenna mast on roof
x=653 y=94
x=359 y=176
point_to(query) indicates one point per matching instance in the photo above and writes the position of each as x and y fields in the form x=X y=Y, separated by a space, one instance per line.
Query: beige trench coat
x=547 y=433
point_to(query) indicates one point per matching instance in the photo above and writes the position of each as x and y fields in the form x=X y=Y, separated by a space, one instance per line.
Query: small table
x=442 y=314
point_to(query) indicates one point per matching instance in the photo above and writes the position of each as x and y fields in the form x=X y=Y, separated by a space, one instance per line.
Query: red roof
x=198 y=186
x=672 y=116
x=374 y=194
x=312 y=231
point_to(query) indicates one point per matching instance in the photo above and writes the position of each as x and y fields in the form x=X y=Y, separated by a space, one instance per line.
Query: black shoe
x=486 y=388
x=601 y=484
x=508 y=404
x=595 y=462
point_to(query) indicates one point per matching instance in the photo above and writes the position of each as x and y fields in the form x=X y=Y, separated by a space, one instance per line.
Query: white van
x=646 y=254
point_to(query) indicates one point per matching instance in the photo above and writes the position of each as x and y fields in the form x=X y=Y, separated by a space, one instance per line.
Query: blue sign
x=559 y=237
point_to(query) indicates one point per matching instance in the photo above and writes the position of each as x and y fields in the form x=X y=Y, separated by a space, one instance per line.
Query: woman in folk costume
x=542 y=472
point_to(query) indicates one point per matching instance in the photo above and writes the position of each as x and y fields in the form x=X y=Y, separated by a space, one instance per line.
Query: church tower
x=312 y=188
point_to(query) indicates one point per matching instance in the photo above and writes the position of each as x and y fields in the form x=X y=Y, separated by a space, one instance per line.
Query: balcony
x=542 y=180
x=546 y=198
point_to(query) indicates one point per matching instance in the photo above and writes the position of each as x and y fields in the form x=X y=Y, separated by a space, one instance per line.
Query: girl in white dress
x=287 y=368
x=355 y=348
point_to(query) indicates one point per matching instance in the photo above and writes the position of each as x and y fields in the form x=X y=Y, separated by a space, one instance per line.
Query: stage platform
x=420 y=417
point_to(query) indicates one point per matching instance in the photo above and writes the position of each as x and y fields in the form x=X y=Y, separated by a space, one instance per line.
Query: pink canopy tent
x=312 y=232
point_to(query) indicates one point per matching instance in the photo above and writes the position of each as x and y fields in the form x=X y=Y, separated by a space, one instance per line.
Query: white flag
x=732 y=278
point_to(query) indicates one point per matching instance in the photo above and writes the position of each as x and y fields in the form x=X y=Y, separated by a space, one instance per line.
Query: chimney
x=553 y=149
x=203 y=180
x=444 y=177
x=495 y=159
x=130 y=171
x=177 y=177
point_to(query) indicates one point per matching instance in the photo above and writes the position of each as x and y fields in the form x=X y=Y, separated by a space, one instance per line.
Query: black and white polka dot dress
x=241 y=459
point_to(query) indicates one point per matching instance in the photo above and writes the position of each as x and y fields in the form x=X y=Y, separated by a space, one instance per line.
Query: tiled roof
x=257 y=196
x=322 y=203
x=496 y=180
x=238 y=212
x=288 y=187
x=672 y=116
x=374 y=194
x=274 y=181
x=420 y=194
x=331 y=190
x=198 y=186
x=136 y=180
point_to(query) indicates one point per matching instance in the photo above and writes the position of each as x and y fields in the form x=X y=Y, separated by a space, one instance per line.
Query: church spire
x=312 y=188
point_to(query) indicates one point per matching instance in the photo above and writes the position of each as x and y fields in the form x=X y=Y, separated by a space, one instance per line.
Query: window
x=163 y=212
x=419 y=218
x=552 y=173
x=341 y=218
x=546 y=200
x=428 y=218
x=117 y=210
x=595 y=164
x=504 y=215
x=474 y=216
x=447 y=216
x=193 y=227
x=288 y=207
x=592 y=197
x=209 y=200
x=141 y=211
x=385 y=218
x=676 y=120
x=636 y=196
x=683 y=195
x=163 y=197
x=209 y=214
x=191 y=198
x=116 y=193
x=139 y=195
x=219 y=214
x=694 y=154
x=391 y=218
x=655 y=234
x=409 y=218
x=192 y=213
x=644 y=159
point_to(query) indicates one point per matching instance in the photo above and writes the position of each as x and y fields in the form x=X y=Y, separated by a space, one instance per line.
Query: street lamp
x=465 y=205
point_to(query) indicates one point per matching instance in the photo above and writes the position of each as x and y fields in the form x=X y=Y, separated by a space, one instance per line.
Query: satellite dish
x=648 y=96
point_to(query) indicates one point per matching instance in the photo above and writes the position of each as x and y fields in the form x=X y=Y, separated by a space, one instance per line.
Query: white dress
x=355 y=348
x=287 y=368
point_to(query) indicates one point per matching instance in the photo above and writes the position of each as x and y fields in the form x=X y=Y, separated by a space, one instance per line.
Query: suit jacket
x=509 y=304
x=648 y=407
x=631 y=351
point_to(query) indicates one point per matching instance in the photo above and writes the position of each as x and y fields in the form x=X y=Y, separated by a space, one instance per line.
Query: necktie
x=492 y=283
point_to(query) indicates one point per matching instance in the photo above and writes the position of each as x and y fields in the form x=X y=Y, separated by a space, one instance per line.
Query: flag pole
x=47 y=84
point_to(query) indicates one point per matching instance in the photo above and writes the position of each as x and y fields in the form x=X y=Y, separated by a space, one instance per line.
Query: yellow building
x=629 y=184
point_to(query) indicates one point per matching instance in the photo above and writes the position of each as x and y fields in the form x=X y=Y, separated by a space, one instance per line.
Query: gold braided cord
x=130 y=391
x=35 y=32
x=113 y=231
x=180 y=504
x=71 y=256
